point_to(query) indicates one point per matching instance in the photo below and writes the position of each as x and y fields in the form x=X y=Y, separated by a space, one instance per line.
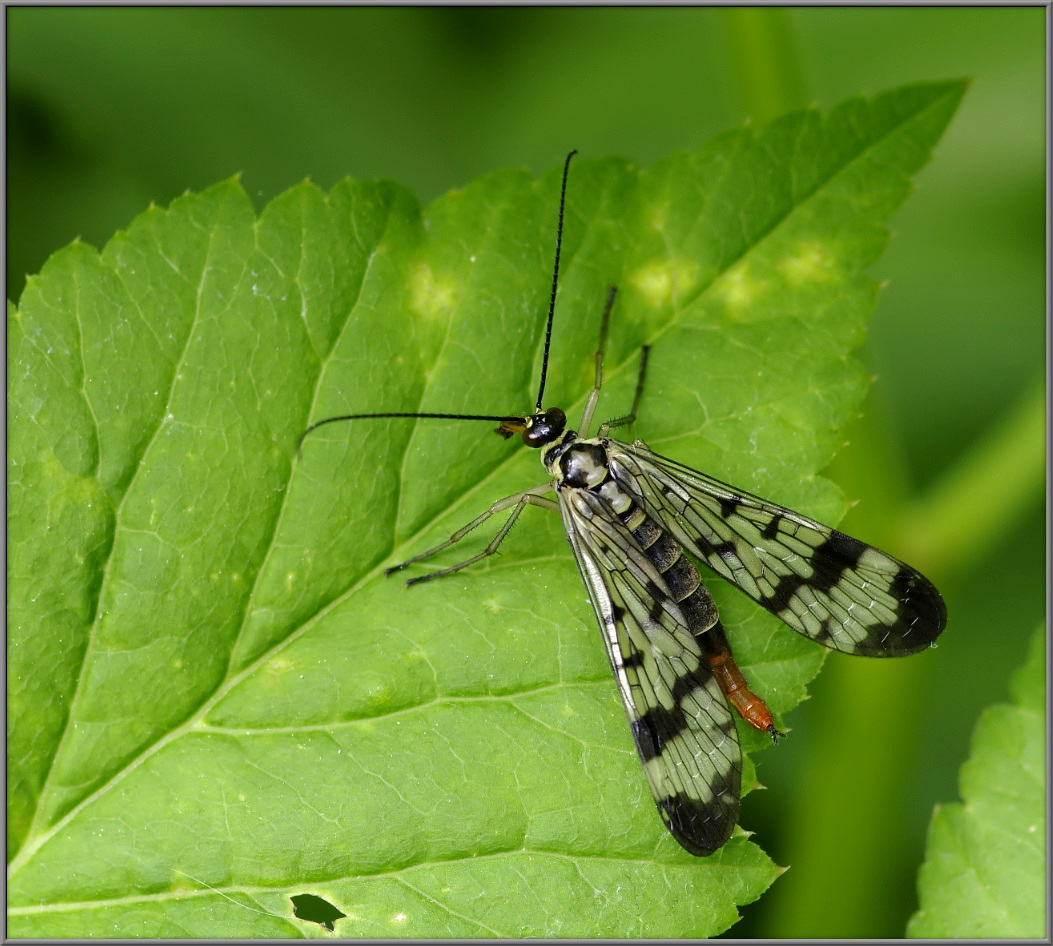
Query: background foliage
x=984 y=870
x=110 y=109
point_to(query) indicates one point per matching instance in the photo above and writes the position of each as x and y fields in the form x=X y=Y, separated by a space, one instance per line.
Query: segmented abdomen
x=696 y=603
x=679 y=572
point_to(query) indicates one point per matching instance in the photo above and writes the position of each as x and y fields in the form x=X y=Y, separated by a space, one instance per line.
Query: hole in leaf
x=306 y=906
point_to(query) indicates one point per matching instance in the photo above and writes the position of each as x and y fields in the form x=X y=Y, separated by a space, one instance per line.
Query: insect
x=635 y=522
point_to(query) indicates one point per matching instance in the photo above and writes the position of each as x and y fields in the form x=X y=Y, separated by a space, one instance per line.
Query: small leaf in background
x=984 y=875
x=209 y=677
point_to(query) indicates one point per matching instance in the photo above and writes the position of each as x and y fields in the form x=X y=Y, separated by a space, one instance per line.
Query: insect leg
x=594 y=394
x=631 y=416
x=517 y=501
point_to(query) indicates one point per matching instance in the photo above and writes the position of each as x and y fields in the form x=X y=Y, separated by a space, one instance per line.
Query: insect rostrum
x=630 y=516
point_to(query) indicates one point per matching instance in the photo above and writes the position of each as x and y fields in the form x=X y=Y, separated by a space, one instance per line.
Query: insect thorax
x=577 y=464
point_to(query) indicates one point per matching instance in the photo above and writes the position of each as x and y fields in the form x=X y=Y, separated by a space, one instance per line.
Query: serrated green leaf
x=984 y=874
x=217 y=702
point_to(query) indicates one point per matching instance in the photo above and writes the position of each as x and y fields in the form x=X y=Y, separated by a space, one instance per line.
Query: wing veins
x=681 y=724
x=833 y=589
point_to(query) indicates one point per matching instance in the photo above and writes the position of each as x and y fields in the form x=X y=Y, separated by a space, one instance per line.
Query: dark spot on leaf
x=306 y=906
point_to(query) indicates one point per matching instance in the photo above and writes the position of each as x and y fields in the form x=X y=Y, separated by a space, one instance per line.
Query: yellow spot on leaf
x=736 y=288
x=430 y=296
x=660 y=282
x=380 y=694
x=808 y=263
x=739 y=290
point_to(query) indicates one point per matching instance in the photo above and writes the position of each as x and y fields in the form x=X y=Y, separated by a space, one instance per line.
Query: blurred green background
x=110 y=109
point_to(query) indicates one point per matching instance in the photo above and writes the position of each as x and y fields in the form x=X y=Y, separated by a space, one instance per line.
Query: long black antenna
x=333 y=420
x=555 y=282
x=531 y=427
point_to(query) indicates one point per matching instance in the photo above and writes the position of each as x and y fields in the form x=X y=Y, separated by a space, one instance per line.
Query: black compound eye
x=545 y=427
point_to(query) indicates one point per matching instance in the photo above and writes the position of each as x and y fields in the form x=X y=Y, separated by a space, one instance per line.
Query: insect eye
x=545 y=427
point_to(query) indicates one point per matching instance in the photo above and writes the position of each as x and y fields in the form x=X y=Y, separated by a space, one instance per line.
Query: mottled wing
x=834 y=589
x=680 y=721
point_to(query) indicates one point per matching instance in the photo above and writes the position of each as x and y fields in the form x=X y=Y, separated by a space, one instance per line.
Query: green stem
x=984 y=496
x=763 y=53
